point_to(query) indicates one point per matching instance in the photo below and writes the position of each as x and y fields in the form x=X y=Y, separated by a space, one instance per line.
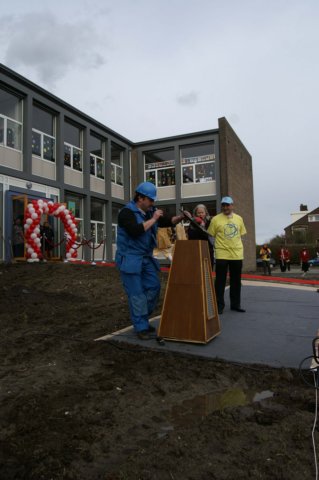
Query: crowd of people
x=143 y=230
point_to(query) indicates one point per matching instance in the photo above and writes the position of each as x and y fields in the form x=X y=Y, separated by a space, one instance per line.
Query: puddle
x=202 y=405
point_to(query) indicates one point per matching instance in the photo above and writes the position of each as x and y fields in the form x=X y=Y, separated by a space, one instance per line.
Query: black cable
x=309 y=369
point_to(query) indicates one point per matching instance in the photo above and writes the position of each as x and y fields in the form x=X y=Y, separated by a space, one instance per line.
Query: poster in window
x=166 y=177
x=198 y=159
x=151 y=177
x=205 y=172
x=77 y=159
x=67 y=155
x=36 y=144
x=113 y=173
x=188 y=174
x=100 y=168
x=119 y=176
x=48 y=148
x=92 y=165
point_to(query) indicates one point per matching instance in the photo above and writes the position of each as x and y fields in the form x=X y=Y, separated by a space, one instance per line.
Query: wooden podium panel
x=189 y=311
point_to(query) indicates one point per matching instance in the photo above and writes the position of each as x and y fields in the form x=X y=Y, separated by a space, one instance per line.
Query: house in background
x=305 y=227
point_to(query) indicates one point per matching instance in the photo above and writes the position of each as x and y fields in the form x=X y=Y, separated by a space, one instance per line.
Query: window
x=97 y=220
x=160 y=167
x=313 y=218
x=115 y=213
x=43 y=134
x=10 y=120
x=73 y=152
x=97 y=162
x=116 y=164
x=74 y=204
x=198 y=163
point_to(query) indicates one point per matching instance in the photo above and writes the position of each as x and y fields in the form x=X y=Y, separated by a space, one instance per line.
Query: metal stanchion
x=104 y=249
x=83 y=241
x=93 y=252
x=43 y=248
x=65 y=245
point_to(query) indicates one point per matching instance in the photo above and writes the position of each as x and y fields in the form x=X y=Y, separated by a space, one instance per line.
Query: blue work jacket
x=131 y=251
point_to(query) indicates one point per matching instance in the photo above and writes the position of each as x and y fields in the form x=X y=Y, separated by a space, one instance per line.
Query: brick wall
x=236 y=180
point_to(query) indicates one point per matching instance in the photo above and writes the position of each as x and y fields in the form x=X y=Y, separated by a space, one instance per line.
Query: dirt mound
x=72 y=408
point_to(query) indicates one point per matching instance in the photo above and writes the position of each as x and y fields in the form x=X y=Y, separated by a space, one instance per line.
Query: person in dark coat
x=201 y=216
x=47 y=237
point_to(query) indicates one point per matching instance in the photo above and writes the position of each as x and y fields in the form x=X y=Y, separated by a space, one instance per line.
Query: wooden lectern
x=189 y=311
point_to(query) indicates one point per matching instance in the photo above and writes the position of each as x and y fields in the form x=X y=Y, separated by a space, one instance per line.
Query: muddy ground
x=72 y=408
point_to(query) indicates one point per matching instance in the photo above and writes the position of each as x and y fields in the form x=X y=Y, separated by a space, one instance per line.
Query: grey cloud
x=52 y=47
x=188 y=99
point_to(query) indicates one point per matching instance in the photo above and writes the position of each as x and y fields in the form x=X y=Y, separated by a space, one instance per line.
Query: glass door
x=19 y=203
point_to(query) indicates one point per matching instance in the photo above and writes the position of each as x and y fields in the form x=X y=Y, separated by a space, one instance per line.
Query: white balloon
x=26 y=226
x=34 y=255
x=34 y=216
x=66 y=211
x=68 y=217
x=29 y=221
x=72 y=225
x=75 y=230
x=33 y=235
x=68 y=255
x=70 y=222
x=71 y=250
x=30 y=250
x=31 y=210
x=74 y=246
x=37 y=241
x=37 y=230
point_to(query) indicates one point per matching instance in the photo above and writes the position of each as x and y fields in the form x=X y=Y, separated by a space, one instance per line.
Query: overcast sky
x=156 y=68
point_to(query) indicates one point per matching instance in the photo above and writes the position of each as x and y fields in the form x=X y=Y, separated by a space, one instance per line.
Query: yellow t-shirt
x=228 y=233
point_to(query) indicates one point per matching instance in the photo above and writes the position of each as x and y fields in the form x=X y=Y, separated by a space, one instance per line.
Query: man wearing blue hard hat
x=138 y=222
x=228 y=228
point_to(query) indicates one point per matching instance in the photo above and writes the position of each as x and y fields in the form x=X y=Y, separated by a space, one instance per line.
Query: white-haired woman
x=201 y=216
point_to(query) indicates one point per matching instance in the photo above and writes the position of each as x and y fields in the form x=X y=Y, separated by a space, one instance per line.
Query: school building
x=50 y=150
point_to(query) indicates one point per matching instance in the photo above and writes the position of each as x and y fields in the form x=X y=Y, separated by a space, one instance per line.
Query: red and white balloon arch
x=32 y=218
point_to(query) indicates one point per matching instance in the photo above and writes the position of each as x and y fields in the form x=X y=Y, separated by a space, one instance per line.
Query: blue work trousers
x=143 y=291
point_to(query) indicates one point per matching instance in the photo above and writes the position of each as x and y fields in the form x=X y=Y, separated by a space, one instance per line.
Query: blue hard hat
x=148 y=189
x=227 y=200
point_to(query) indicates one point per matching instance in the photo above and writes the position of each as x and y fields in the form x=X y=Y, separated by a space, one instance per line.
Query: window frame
x=5 y=128
x=96 y=223
x=193 y=165
x=95 y=175
x=72 y=147
x=78 y=219
x=117 y=167
x=313 y=218
x=41 y=136
x=156 y=175
x=166 y=167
